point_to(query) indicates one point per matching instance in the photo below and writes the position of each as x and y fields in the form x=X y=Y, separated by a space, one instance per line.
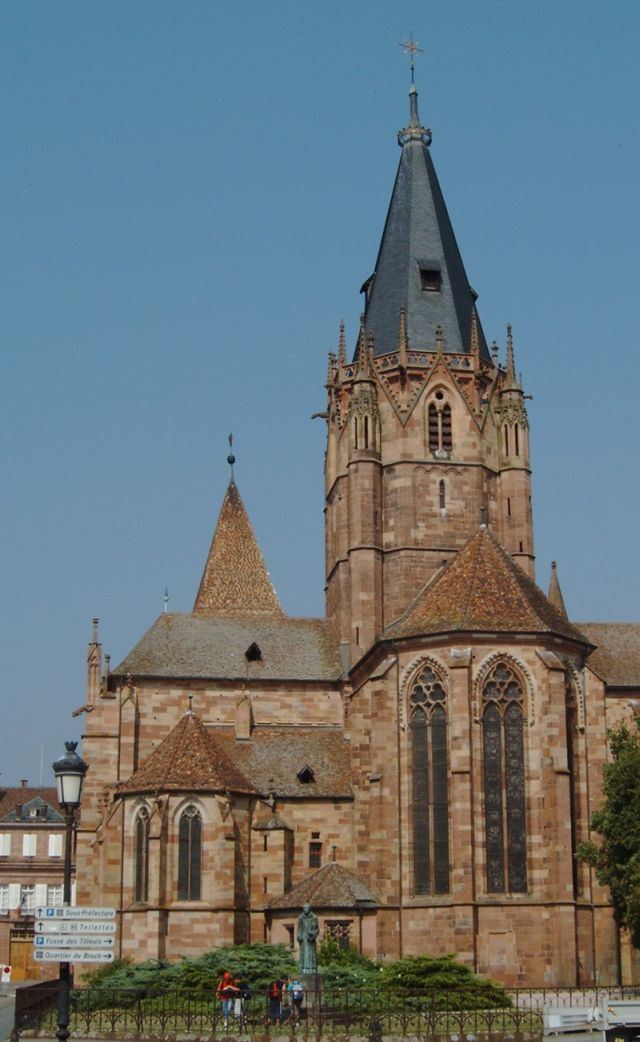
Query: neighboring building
x=32 y=832
x=420 y=764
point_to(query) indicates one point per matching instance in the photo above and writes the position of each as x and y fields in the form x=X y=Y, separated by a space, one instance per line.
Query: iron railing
x=427 y=1016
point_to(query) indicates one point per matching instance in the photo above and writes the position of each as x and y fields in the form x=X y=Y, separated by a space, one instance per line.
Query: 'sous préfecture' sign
x=78 y=934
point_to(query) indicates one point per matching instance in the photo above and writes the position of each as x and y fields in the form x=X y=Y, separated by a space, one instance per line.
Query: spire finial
x=512 y=380
x=165 y=601
x=231 y=458
x=190 y=709
x=94 y=635
x=415 y=131
x=413 y=49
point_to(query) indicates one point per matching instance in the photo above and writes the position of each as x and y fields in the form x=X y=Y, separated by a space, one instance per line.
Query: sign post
x=65 y=934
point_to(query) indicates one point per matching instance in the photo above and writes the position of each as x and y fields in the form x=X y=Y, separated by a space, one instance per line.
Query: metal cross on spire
x=413 y=49
x=231 y=458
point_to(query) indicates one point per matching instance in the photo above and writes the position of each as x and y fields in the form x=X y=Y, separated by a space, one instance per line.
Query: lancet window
x=141 y=856
x=430 y=770
x=504 y=789
x=571 y=717
x=190 y=855
x=440 y=436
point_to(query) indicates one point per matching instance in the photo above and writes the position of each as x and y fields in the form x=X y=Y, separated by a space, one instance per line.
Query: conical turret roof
x=419 y=267
x=482 y=590
x=555 y=593
x=189 y=759
x=235 y=580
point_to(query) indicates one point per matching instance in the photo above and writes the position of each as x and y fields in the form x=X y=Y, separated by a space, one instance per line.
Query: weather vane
x=413 y=49
x=231 y=458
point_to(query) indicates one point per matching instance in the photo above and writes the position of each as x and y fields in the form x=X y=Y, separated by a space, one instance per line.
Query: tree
x=616 y=859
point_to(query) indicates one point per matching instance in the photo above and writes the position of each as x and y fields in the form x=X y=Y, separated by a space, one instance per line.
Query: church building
x=420 y=764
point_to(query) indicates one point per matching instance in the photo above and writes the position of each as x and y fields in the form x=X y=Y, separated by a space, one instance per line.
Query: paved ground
x=6 y=1015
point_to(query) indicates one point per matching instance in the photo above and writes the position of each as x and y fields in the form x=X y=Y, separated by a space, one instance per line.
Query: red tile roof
x=273 y=759
x=332 y=886
x=188 y=760
x=616 y=659
x=482 y=590
x=19 y=795
x=235 y=580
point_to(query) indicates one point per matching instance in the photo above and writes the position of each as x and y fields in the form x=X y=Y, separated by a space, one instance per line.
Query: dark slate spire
x=419 y=266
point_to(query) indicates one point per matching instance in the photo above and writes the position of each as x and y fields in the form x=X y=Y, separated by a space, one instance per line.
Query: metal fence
x=427 y=1016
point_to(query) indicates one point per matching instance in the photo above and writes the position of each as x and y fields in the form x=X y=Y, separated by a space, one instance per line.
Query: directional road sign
x=67 y=940
x=72 y=955
x=58 y=926
x=77 y=912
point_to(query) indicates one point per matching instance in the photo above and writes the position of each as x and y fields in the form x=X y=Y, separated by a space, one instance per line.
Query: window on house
x=4 y=897
x=430 y=784
x=27 y=898
x=189 y=855
x=5 y=844
x=141 y=856
x=54 y=895
x=29 y=842
x=55 y=845
x=503 y=778
x=315 y=854
x=289 y=927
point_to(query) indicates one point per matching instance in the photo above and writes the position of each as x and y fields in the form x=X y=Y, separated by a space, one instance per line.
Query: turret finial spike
x=512 y=380
x=342 y=346
x=402 y=340
x=230 y=458
x=95 y=639
x=362 y=348
x=165 y=601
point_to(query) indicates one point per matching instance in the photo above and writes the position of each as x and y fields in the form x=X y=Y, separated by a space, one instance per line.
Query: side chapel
x=420 y=764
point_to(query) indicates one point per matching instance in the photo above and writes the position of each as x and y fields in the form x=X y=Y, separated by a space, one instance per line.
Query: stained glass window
x=504 y=781
x=430 y=777
x=141 y=855
x=189 y=855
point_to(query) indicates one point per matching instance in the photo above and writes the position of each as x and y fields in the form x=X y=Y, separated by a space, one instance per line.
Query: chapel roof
x=274 y=757
x=235 y=580
x=332 y=886
x=482 y=589
x=189 y=759
x=418 y=236
x=189 y=646
x=616 y=658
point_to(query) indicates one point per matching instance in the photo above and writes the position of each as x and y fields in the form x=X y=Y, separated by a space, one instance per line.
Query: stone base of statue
x=313 y=984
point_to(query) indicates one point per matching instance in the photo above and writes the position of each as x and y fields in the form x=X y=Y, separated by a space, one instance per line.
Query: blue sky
x=193 y=194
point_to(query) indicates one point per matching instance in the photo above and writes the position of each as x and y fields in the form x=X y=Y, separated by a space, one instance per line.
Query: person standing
x=296 y=995
x=227 y=990
x=274 y=1002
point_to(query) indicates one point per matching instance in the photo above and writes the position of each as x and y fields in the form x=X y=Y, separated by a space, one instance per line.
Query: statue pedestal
x=313 y=984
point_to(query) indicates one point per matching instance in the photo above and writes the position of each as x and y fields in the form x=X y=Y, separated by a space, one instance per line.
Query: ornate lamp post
x=69 y=772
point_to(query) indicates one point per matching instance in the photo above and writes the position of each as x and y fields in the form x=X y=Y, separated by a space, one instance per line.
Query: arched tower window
x=141 y=856
x=571 y=718
x=516 y=439
x=190 y=855
x=506 y=440
x=355 y=432
x=430 y=769
x=366 y=432
x=439 y=428
x=442 y=495
x=503 y=781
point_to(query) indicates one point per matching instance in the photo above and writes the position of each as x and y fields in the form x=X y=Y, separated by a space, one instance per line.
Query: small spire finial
x=165 y=601
x=190 y=710
x=512 y=380
x=413 y=49
x=231 y=458
x=94 y=636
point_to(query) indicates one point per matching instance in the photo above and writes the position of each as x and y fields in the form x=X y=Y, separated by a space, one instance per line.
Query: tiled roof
x=198 y=646
x=188 y=760
x=482 y=590
x=332 y=886
x=21 y=795
x=235 y=580
x=273 y=758
x=617 y=656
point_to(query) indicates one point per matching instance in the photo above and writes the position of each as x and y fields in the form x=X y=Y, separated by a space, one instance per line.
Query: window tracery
x=504 y=784
x=190 y=854
x=430 y=784
x=141 y=856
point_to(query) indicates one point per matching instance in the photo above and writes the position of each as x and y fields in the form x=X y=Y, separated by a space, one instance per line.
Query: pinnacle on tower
x=342 y=346
x=402 y=340
x=511 y=381
x=555 y=593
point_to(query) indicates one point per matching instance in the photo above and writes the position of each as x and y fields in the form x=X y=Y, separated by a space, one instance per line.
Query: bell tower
x=427 y=432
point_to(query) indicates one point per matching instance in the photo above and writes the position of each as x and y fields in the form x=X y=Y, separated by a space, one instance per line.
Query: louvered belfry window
x=141 y=855
x=430 y=773
x=189 y=855
x=504 y=787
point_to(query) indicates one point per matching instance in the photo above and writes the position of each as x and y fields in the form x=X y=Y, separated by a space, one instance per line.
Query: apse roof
x=332 y=886
x=419 y=267
x=275 y=758
x=482 y=589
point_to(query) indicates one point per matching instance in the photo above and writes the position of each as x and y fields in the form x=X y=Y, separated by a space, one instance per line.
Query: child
x=227 y=991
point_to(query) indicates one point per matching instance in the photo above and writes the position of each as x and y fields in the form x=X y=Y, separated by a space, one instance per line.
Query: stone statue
x=307 y=934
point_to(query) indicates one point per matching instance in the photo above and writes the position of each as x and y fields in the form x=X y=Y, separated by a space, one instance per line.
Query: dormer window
x=306 y=776
x=430 y=276
x=253 y=653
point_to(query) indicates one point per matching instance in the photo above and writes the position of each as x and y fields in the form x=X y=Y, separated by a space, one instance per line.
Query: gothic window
x=506 y=440
x=430 y=784
x=339 y=930
x=442 y=495
x=516 y=439
x=141 y=856
x=355 y=432
x=189 y=855
x=571 y=718
x=440 y=435
x=366 y=432
x=503 y=778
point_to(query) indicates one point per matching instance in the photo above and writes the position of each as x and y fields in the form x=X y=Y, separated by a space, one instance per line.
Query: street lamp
x=69 y=771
